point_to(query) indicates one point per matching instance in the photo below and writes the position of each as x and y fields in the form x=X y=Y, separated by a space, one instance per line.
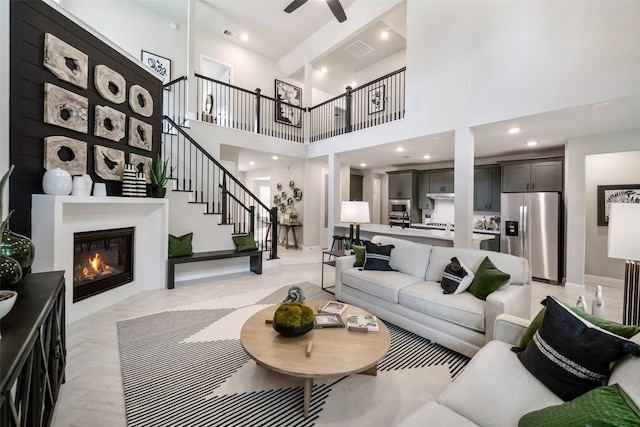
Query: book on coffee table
x=334 y=307
x=362 y=323
x=327 y=320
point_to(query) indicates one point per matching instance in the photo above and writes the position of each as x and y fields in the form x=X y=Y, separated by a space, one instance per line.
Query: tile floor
x=92 y=395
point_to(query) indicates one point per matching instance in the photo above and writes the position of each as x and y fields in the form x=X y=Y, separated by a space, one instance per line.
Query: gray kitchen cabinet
x=423 y=188
x=491 y=245
x=486 y=185
x=441 y=181
x=526 y=177
x=402 y=185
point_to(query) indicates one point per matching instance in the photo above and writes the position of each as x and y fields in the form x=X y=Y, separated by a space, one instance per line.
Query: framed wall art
x=288 y=98
x=376 y=99
x=607 y=194
x=159 y=64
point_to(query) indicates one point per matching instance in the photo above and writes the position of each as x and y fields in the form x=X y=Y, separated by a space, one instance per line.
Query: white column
x=463 y=179
x=4 y=97
x=334 y=194
x=192 y=89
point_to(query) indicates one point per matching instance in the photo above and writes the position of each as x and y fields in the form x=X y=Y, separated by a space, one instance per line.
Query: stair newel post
x=348 y=104
x=225 y=199
x=252 y=220
x=257 y=118
x=274 y=233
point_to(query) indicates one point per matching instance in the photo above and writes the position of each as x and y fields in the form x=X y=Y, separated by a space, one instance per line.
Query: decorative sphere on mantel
x=57 y=181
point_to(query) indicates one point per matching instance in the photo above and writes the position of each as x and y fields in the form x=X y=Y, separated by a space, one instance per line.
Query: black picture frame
x=376 y=99
x=288 y=105
x=159 y=64
x=607 y=194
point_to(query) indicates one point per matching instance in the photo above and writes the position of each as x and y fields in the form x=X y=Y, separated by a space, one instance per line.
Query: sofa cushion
x=245 y=242
x=359 y=251
x=515 y=266
x=626 y=372
x=456 y=277
x=462 y=309
x=606 y=406
x=488 y=279
x=381 y=284
x=569 y=354
x=407 y=257
x=495 y=389
x=377 y=257
x=433 y=414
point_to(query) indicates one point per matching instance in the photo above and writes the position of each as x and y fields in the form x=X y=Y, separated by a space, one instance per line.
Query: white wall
x=605 y=169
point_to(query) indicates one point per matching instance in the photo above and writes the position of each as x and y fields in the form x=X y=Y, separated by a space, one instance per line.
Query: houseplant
x=159 y=178
x=293 y=319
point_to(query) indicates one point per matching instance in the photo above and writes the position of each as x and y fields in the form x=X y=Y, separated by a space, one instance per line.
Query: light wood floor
x=92 y=395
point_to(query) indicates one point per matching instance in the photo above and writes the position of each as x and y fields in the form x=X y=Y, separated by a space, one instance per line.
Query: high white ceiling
x=274 y=33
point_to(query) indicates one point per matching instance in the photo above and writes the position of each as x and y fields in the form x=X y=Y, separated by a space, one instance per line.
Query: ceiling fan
x=334 y=5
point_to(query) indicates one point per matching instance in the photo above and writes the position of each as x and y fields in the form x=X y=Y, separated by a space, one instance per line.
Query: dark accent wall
x=30 y=20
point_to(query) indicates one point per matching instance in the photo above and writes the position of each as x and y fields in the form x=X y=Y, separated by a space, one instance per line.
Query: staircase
x=199 y=183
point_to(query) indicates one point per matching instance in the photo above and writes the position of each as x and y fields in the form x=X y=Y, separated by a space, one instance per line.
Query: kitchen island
x=430 y=237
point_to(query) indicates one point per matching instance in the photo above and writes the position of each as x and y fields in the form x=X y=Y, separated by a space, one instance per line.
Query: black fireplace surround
x=102 y=260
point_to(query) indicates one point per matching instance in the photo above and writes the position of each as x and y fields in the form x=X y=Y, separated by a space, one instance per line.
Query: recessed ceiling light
x=532 y=143
x=353 y=84
x=399 y=149
x=363 y=165
x=244 y=37
x=252 y=163
x=514 y=131
x=426 y=156
x=173 y=26
x=275 y=157
x=323 y=69
x=384 y=35
x=600 y=104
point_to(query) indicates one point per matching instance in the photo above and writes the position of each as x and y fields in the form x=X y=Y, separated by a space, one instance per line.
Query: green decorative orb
x=10 y=272
x=18 y=247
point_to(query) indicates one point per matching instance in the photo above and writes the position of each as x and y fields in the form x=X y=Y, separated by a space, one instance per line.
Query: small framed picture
x=159 y=64
x=607 y=194
x=376 y=99
x=327 y=320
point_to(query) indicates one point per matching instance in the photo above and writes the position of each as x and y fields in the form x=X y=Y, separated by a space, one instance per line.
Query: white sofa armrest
x=513 y=299
x=342 y=263
x=509 y=328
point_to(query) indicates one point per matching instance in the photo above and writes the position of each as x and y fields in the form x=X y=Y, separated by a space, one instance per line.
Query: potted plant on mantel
x=159 y=178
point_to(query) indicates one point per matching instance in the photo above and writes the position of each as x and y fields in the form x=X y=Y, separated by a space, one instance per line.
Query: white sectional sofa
x=496 y=390
x=411 y=296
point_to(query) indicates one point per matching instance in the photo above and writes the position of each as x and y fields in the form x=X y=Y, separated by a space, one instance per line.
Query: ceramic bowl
x=6 y=304
x=287 y=331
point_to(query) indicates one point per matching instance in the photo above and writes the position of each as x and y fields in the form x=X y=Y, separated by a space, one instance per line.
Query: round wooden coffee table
x=334 y=351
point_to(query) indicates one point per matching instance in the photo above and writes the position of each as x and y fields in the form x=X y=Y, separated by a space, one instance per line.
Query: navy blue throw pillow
x=377 y=257
x=570 y=355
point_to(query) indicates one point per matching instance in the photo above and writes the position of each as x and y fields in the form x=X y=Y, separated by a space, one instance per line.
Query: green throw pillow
x=180 y=246
x=488 y=279
x=602 y=407
x=626 y=331
x=245 y=243
x=360 y=252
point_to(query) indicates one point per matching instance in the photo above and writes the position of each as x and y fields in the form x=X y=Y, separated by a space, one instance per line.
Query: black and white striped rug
x=186 y=367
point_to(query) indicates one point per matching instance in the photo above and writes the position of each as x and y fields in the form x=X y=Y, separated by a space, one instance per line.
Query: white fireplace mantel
x=55 y=219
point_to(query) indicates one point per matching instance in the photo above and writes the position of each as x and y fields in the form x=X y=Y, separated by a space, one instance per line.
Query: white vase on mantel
x=88 y=184
x=57 y=181
x=78 y=188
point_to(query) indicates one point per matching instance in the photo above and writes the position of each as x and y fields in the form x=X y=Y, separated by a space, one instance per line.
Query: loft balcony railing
x=237 y=108
x=379 y=101
x=174 y=103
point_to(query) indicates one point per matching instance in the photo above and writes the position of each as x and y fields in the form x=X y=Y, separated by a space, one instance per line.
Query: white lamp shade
x=355 y=212
x=624 y=231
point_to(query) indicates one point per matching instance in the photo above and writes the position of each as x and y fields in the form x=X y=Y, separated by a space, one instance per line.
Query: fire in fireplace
x=102 y=260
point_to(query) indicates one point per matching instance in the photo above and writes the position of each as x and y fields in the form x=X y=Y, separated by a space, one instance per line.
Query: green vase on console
x=18 y=247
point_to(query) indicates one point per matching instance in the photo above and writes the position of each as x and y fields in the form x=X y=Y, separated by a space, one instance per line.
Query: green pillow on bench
x=245 y=242
x=180 y=246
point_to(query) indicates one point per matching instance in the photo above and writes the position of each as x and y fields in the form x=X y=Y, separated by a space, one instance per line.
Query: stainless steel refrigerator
x=532 y=228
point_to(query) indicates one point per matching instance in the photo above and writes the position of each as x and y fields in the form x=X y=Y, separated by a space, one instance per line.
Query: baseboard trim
x=599 y=280
x=575 y=287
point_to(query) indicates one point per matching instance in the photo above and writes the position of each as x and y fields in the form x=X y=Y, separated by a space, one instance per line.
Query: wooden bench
x=255 y=263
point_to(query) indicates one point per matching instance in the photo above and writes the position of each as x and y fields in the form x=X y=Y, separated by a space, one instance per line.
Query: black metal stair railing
x=174 y=103
x=234 y=107
x=194 y=170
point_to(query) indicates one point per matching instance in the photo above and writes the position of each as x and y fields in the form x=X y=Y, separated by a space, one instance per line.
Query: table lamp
x=624 y=243
x=355 y=213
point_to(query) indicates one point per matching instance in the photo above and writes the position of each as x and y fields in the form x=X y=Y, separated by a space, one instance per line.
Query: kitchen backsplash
x=443 y=212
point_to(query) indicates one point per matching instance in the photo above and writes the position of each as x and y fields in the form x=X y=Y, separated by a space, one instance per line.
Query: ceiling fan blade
x=337 y=10
x=294 y=5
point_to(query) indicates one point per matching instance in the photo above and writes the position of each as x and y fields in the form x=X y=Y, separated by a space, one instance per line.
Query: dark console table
x=33 y=351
